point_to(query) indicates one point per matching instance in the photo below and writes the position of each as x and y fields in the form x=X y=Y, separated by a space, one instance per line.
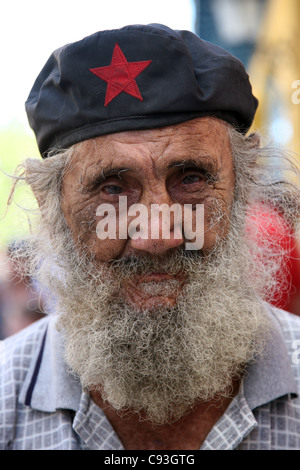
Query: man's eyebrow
x=205 y=164
x=102 y=173
x=109 y=171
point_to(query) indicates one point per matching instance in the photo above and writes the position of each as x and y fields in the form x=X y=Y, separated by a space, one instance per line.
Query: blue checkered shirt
x=42 y=405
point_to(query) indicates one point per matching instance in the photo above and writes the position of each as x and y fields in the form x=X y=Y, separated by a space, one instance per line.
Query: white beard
x=160 y=363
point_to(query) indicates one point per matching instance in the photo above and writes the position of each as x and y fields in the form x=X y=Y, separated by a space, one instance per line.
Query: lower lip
x=155 y=277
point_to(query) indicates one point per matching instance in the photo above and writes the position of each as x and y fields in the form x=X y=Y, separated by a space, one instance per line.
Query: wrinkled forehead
x=205 y=139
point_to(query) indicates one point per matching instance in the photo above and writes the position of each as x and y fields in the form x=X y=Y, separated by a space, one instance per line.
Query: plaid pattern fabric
x=42 y=405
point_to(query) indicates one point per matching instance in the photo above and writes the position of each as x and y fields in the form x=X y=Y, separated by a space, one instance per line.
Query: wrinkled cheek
x=101 y=244
x=104 y=250
x=216 y=223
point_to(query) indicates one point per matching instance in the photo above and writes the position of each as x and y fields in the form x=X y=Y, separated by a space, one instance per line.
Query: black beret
x=133 y=78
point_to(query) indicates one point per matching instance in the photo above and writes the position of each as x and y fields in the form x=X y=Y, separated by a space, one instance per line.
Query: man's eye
x=113 y=189
x=190 y=179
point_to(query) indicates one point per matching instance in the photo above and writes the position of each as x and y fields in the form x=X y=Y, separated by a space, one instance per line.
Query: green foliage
x=16 y=144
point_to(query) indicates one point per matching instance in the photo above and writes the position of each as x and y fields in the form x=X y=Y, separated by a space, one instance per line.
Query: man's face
x=189 y=163
x=153 y=326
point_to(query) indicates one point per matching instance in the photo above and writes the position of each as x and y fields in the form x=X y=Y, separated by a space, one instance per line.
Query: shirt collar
x=52 y=386
x=271 y=376
x=49 y=384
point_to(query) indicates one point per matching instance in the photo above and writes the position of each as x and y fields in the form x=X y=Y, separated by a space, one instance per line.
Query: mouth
x=153 y=290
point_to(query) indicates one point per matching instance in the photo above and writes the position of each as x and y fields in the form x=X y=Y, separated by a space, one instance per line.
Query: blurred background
x=263 y=34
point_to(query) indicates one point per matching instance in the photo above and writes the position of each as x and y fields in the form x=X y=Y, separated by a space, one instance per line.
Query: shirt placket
x=233 y=427
x=93 y=428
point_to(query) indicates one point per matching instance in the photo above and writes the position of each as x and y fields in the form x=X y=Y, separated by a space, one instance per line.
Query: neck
x=188 y=433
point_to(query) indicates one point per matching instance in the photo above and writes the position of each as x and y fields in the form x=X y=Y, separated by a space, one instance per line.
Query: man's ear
x=39 y=196
x=253 y=140
x=37 y=175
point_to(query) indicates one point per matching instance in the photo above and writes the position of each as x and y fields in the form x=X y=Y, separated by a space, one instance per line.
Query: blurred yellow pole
x=277 y=60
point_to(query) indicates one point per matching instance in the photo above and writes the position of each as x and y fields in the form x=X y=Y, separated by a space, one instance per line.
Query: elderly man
x=157 y=342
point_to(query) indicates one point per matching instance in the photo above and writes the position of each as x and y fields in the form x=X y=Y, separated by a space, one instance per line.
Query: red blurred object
x=269 y=228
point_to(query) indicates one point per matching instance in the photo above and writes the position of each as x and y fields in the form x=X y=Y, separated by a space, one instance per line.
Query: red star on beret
x=120 y=75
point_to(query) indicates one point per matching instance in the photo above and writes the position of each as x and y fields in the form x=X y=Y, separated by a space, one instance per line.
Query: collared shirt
x=42 y=405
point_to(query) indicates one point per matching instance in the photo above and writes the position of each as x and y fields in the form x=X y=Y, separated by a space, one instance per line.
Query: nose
x=161 y=229
x=156 y=247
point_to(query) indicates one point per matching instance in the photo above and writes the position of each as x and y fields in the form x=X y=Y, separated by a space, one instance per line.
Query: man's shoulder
x=289 y=323
x=18 y=351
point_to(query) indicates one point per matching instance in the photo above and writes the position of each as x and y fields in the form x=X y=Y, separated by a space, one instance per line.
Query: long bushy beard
x=160 y=362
